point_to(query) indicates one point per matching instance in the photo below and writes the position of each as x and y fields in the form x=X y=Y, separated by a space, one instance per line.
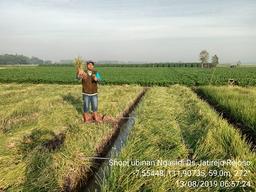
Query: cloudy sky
x=134 y=30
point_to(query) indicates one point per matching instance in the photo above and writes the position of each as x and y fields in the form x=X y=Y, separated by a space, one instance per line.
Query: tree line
x=8 y=59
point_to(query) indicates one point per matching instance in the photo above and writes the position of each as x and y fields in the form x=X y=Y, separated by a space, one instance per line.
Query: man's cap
x=90 y=61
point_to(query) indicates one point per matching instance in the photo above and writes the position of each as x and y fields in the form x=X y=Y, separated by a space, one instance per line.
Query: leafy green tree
x=204 y=57
x=35 y=60
x=48 y=62
x=215 y=60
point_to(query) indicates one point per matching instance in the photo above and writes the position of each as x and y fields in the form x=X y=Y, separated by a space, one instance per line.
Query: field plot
x=147 y=76
x=174 y=124
x=43 y=141
x=238 y=104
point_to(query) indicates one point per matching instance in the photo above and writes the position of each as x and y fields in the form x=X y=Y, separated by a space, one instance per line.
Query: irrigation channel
x=111 y=148
x=94 y=183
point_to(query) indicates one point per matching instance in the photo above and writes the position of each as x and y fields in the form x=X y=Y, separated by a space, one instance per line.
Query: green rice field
x=179 y=140
x=146 y=76
x=176 y=126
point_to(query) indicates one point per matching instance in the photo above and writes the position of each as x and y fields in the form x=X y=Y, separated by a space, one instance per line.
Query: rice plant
x=44 y=143
x=173 y=124
x=238 y=103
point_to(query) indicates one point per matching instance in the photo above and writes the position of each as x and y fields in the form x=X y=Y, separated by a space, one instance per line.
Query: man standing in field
x=90 y=79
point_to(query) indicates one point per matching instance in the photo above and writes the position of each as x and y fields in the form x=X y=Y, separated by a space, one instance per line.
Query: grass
x=173 y=124
x=237 y=102
x=147 y=76
x=44 y=143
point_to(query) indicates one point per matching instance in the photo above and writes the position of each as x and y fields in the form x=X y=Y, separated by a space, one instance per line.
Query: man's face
x=90 y=66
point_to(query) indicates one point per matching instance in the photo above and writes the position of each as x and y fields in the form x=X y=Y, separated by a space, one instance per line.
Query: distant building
x=233 y=65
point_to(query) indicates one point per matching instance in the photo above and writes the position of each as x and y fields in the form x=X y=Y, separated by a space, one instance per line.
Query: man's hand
x=82 y=74
x=95 y=78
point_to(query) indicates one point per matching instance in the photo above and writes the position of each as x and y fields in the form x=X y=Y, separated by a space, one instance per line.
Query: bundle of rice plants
x=78 y=62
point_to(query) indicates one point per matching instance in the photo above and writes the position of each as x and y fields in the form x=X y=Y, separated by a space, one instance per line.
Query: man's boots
x=97 y=117
x=87 y=117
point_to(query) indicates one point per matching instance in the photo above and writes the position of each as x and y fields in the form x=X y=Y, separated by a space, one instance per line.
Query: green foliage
x=204 y=56
x=44 y=141
x=152 y=65
x=238 y=102
x=215 y=60
x=9 y=59
x=174 y=124
x=146 y=76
